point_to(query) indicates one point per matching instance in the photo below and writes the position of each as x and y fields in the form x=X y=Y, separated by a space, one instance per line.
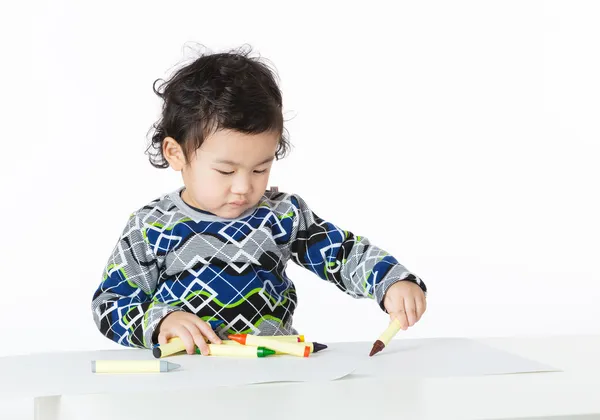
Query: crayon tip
x=172 y=366
x=318 y=347
x=301 y=338
x=377 y=347
x=264 y=352
x=240 y=338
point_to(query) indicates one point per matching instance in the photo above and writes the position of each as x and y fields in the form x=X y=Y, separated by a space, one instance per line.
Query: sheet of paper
x=70 y=372
x=439 y=357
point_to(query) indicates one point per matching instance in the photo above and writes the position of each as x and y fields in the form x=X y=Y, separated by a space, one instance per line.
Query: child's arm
x=122 y=305
x=351 y=262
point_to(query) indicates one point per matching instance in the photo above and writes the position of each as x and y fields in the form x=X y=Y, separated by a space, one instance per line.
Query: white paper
x=439 y=357
x=70 y=372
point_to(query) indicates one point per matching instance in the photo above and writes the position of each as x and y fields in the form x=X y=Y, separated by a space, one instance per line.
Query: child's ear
x=173 y=153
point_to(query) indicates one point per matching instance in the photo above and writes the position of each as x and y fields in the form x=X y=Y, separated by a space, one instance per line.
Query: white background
x=461 y=136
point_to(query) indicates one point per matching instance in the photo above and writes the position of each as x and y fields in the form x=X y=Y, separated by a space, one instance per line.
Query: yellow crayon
x=314 y=347
x=237 y=351
x=287 y=338
x=174 y=345
x=235 y=343
x=295 y=349
x=291 y=338
x=386 y=336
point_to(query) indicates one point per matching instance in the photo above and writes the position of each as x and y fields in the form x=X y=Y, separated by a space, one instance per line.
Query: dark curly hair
x=229 y=90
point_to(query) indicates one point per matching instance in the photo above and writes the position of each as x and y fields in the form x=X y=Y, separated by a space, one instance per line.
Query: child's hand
x=405 y=301
x=190 y=329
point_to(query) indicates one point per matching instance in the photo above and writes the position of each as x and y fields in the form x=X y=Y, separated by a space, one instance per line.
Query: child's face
x=229 y=173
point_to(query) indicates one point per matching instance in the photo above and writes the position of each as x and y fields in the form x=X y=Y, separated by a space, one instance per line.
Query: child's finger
x=162 y=338
x=411 y=310
x=208 y=332
x=201 y=343
x=186 y=337
x=198 y=338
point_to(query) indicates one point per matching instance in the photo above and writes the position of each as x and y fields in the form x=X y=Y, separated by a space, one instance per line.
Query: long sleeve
x=351 y=262
x=122 y=306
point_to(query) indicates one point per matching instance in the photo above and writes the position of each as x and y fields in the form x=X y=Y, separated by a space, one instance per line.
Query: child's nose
x=241 y=185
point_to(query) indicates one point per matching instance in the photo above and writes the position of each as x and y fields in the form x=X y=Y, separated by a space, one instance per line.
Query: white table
x=572 y=393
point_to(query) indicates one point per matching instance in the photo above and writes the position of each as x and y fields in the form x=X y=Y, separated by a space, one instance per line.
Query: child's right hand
x=190 y=329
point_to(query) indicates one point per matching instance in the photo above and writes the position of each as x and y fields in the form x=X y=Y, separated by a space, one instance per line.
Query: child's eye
x=260 y=172
x=223 y=172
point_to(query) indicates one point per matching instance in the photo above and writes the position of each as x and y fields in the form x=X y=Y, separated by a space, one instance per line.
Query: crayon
x=295 y=349
x=314 y=347
x=293 y=338
x=385 y=337
x=290 y=338
x=237 y=351
x=175 y=345
x=132 y=366
x=286 y=338
x=168 y=349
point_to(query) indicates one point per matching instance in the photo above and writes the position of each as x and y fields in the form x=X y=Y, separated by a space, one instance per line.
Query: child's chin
x=231 y=213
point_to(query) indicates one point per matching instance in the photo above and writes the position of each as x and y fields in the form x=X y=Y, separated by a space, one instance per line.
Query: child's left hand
x=405 y=301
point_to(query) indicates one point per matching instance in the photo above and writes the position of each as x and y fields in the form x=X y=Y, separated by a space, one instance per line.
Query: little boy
x=214 y=252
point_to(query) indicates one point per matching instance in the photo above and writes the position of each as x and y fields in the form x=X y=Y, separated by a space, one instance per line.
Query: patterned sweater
x=171 y=257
